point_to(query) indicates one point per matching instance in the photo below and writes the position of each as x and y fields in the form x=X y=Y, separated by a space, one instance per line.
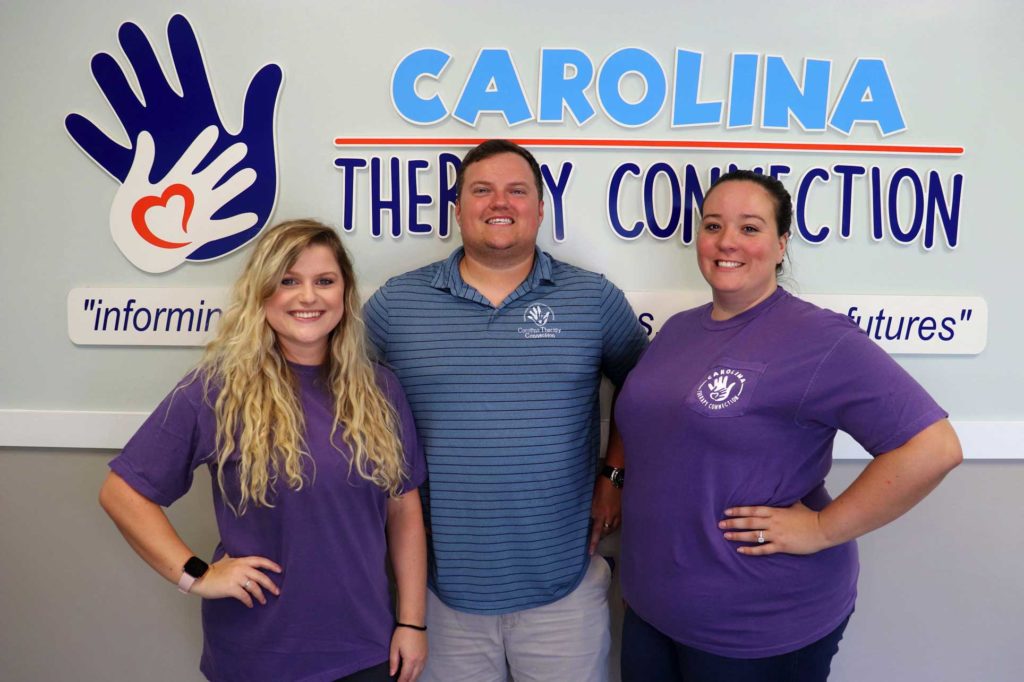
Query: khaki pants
x=566 y=640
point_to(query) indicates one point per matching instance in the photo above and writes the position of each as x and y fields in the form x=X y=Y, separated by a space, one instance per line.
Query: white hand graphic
x=157 y=225
x=720 y=388
x=538 y=316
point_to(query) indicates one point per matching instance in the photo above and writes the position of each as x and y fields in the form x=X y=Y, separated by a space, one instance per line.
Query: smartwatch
x=614 y=474
x=195 y=568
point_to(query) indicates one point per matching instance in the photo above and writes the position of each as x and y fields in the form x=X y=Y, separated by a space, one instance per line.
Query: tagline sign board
x=177 y=139
x=188 y=317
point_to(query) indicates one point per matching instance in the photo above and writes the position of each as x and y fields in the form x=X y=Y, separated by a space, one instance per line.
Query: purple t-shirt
x=334 y=614
x=743 y=412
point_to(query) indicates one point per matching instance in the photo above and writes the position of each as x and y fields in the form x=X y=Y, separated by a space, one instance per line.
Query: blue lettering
x=917 y=210
x=850 y=314
x=877 y=227
x=348 y=168
x=560 y=90
x=557 y=187
x=645 y=320
x=686 y=109
x=949 y=214
x=96 y=320
x=379 y=204
x=614 y=187
x=448 y=165
x=801 y=204
x=415 y=198
x=947 y=332
x=145 y=325
x=926 y=330
x=650 y=178
x=117 y=317
x=742 y=88
x=693 y=198
x=847 y=173
x=620 y=63
x=782 y=94
x=409 y=105
x=868 y=97
x=493 y=86
x=212 y=315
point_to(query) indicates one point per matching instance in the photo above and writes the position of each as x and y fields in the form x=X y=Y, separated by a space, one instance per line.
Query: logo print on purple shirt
x=191 y=188
x=721 y=389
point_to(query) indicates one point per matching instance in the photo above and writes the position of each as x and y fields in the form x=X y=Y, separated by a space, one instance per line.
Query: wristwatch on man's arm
x=617 y=475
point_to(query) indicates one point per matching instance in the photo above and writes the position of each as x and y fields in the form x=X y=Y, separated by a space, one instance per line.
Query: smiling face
x=739 y=246
x=307 y=305
x=500 y=209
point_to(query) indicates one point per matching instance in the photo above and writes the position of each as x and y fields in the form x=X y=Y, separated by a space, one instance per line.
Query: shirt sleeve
x=623 y=337
x=858 y=388
x=159 y=460
x=375 y=314
x=416 y=464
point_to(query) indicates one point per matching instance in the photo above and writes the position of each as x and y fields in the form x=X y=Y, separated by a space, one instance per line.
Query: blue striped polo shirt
x=506 y=403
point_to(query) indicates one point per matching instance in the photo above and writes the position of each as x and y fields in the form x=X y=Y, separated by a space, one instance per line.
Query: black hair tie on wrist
x=421 y=628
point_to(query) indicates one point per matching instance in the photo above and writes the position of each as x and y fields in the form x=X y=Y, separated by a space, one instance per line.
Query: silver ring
x=607 y=526
x=760 y=537
x=247 y=583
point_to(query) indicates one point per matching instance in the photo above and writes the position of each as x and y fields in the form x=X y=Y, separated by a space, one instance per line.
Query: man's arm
x=624 y=340
x=606 y=508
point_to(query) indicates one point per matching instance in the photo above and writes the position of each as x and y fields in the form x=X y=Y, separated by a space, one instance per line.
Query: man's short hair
x=489 y=148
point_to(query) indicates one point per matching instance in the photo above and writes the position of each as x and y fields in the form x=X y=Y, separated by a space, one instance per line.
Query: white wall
x=953 y=75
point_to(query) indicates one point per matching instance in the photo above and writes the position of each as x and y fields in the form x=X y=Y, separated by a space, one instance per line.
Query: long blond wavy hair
x=257 y=408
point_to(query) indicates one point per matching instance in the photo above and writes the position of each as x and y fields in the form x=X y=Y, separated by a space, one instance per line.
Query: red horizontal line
x=653 y=144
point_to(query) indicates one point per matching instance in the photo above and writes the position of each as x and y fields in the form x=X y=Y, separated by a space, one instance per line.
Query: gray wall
x=941 y=594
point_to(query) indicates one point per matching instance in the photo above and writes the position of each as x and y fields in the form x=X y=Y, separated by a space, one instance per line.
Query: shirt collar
x=449 y=278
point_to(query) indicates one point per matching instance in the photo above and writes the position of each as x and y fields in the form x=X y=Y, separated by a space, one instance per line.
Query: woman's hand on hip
x=769 y=530
x=242 y=578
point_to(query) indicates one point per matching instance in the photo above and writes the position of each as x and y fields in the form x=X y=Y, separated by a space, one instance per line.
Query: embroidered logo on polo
x=721 y=389
x=540 y=316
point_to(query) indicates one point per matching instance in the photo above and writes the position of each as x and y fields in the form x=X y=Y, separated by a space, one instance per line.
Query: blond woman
x=315 y=463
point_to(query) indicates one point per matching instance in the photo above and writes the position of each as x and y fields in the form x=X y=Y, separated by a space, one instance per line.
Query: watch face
x=196 y=567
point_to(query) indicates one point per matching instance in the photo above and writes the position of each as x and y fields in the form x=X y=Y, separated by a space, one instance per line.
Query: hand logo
x=191 y=189
x=720 y=388
x=539 y=315
x=155 y=219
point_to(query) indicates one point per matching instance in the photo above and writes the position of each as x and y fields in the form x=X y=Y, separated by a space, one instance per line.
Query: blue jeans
x=650 y=656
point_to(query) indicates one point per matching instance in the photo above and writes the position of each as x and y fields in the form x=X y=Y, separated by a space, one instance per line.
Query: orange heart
x=148 y=202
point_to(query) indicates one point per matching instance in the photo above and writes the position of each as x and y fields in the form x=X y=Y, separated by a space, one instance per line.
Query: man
x=500 y=349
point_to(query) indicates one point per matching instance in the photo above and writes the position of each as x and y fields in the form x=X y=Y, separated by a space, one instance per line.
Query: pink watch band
x=185 y=583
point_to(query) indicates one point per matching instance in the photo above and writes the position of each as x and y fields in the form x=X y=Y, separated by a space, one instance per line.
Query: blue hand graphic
x=175 y=121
